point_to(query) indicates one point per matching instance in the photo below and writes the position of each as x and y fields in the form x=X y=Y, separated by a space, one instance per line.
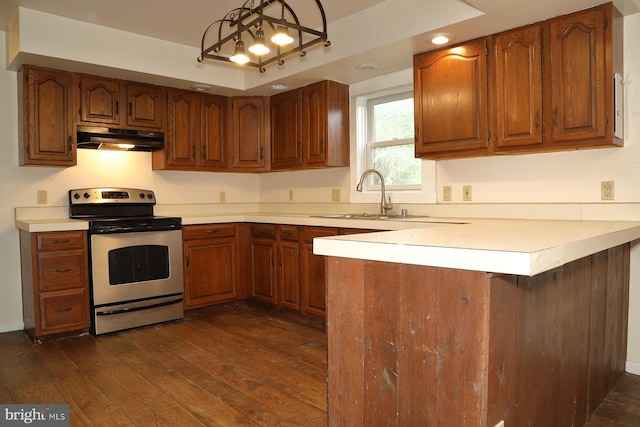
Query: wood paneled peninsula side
x=473 y=324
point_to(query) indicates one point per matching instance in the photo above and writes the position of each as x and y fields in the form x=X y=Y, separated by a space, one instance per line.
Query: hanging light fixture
x=259 y=46
x=239 y=56
x=252 y=21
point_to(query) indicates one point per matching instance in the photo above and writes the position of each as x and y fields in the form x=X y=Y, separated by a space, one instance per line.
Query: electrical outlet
x=222 y=196
x=335 y=195
x=291 y=195
x=42 y=197
x=466 y=193
x=607 y=190
x=446 y=193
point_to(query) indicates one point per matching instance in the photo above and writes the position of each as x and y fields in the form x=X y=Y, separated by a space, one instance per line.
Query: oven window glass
x=138 y=264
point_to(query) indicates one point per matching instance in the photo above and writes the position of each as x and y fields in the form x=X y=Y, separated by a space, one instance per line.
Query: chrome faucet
x=384 y=206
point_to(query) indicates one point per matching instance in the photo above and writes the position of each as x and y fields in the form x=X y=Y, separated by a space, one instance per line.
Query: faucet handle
x=387 y=206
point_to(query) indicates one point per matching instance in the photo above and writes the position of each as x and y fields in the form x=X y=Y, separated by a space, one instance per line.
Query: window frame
x=366 y=104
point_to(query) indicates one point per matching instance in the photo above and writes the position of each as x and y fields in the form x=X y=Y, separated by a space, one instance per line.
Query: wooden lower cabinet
x=211 y=264
x=530 y=351
x=262 y=262
x=313 y=272
x=274 y=264
x=55 y=282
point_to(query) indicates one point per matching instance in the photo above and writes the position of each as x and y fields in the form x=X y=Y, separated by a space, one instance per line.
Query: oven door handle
x=131 y=309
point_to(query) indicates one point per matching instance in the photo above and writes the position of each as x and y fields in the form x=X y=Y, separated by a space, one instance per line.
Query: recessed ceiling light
x=366 y=67
x=279 y=86
x=200 y=88
x=440 y=38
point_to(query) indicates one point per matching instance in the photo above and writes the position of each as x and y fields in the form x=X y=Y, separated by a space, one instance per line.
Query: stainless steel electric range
x=135 y=258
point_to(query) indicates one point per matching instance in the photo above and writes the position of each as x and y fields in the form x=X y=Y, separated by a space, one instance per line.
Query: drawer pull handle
x=63 y=310
x=56 y=241
x=212 y=231
x=61 y=270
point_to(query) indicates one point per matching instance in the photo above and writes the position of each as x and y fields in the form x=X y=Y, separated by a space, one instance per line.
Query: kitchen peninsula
x=473 y=324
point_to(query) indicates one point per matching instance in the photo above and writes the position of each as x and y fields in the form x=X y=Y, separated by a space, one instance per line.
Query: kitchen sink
x=368 y=216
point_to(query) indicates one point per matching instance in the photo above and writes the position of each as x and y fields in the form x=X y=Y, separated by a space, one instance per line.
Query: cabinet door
x=450 y=100
x=99 y=101
x=578 y=76
x=250 y=151
x=325 y=124
x=286 y=130
x=183 y=129
x=288 y=267
x=518 y=87
x=144 y=106
x=213 y=138
x=48 y=120
x=315 y=123
x=263 y=278
x=313 y=273
x=210 y=274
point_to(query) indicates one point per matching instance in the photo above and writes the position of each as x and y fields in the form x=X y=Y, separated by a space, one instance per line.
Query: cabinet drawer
x=62 y=270
x=309 y=233
x=57 y=241
x=209 y=231
x=64 y=311
x=288 y=232
x=263 y=230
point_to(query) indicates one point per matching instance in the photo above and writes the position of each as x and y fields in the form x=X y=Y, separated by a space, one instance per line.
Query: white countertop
x=524 y=247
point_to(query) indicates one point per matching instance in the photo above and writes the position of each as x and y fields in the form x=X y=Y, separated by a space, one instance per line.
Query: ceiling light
x=200 y=87
x=440 y=38
x=272 y=20
x=279 y=86
x=366 y=67
x=282 y=37
x=258 y=47
x=239 y=56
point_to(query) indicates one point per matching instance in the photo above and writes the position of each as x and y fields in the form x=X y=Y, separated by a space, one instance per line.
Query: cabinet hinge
x=488 y=135
x=606 y=22
x=606 y=122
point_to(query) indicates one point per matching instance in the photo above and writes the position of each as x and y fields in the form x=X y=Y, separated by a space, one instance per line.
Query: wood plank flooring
x=233 y=365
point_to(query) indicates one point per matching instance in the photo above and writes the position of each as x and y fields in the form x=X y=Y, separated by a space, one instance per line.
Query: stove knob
x=86 y=195
x=142 y=195
x=149 y=196
x=76 y=196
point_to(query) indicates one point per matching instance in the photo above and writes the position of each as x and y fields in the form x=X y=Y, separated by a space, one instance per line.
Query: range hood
x=103 y=138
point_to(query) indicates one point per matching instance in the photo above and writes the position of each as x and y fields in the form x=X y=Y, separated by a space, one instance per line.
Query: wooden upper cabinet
x=310 y=127
x=550 y=88
x=450 y=99
x=579 y=75
x=325 y=124
x=286 y=130
x=518 y=87
x=213 y=137
x=116 y=103
x=99 y=100
x=249 y=137
x=144 y=106
x=183 y=129
x=47 y=118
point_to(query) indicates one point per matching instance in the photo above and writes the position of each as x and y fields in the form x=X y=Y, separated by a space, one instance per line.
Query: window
x=387 y=136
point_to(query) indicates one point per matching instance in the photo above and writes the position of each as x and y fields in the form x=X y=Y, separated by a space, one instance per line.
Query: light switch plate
x=42 y=197
x=466 y=193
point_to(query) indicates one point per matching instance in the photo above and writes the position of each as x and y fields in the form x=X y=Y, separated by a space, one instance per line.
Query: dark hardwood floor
x=227 y=366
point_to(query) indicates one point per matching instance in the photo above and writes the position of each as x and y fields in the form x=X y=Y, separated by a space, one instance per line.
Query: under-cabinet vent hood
x=103 y=138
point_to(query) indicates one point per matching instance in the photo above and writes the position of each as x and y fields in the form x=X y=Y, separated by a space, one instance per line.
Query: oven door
x=137 y=265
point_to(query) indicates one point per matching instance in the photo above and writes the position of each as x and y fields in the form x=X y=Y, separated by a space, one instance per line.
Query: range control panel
x=84 y=196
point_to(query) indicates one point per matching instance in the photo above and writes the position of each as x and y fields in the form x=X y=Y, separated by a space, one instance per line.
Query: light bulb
x=282 y=37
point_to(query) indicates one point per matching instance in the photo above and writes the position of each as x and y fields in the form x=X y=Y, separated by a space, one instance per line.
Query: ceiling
x=184 y=21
